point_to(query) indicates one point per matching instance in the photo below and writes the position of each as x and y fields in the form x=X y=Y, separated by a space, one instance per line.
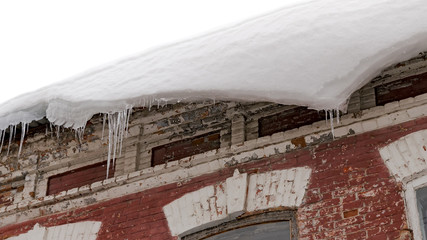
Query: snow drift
x=313 y=54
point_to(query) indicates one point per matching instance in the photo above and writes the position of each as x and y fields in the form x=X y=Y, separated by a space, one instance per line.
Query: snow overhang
x=314 y=54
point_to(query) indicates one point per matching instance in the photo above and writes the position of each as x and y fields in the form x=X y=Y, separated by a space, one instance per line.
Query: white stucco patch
x=217 y=203
x=277 y=189
x=236 y=192
x=407 y=156
x=87 y=230
x=207 y=205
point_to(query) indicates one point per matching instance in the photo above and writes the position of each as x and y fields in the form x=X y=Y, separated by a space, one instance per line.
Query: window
x=78 y=177
x=185 y=148
x=401 y=89
x=416 y=206
x=289 y=119
x=422 y=209
x=264 y=226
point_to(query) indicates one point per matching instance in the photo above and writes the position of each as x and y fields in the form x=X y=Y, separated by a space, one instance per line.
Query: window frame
x=248 y=220
x=412 y=205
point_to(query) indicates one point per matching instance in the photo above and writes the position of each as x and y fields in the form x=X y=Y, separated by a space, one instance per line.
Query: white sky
x=45 y=41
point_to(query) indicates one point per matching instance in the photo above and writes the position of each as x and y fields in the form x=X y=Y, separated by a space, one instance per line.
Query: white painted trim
x=215 y=204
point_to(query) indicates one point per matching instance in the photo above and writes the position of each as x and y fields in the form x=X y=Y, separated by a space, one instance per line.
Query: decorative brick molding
x=406 y=157
x=224 y=201
x=74 y=231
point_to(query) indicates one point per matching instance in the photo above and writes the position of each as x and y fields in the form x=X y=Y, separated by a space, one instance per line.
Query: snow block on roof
x=313 y=54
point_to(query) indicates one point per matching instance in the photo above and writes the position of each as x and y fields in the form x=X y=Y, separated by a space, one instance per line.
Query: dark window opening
x=401 y=89
x=267 y=225
x=79 y=177
x=185 y=148
x=422 y=209
x=289 y=119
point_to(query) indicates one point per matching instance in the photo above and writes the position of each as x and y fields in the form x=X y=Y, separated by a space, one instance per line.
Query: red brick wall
x=185 y=148
x=289 y=119
x=350 y=195
x=79 y=177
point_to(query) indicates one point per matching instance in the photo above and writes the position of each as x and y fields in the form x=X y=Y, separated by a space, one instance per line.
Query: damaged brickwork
x=351 y=194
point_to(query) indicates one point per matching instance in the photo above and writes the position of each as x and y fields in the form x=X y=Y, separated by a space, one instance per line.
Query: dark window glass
x=265 y=231
x=422 y=209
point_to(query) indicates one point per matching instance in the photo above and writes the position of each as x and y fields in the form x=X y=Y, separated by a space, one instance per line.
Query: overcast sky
x=45 y=41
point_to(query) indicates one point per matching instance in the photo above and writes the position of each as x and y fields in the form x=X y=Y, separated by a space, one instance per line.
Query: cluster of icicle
x=12 y=134
x=118 y=126
x=330 y=115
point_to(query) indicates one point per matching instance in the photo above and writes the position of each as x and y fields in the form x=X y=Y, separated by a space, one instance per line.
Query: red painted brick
x=188 y=147
x=401 y=89
x=289 y=119
x=78 y=177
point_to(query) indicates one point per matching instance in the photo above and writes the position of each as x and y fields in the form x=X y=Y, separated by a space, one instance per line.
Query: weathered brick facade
x=219 y=162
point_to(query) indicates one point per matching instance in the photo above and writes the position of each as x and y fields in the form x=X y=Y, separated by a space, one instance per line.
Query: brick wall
x=78 y=177
x=351 y=194
x=188 y=147
x=288 y=119
x=401 y=89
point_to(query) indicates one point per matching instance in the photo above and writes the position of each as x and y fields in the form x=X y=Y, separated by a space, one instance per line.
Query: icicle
x=326 y=115
x=23 y=130
x=110 y=136
x=51 y=129
x=115 y=137
x=127 y=121
x=14 y=131
x=76 y=136
x=338 y=116
x=118 y=124
x=10 y=138
x=80 y=133
x=103 y=126
x=58 y=130
x=331 y=117
x=3 y=133
x=121 y=133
